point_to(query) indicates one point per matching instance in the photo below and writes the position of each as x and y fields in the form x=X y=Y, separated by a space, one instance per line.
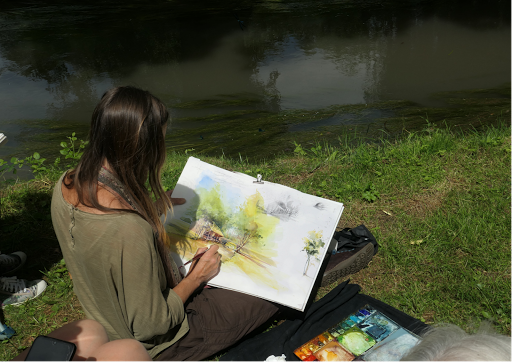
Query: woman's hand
x=201 y=271
x=177 y=200
x=174 y=201
x=207 y=267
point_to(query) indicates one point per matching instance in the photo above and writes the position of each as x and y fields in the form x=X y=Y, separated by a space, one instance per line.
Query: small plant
x=332 y=155
x=316 y=150
x=36 y=162
x=370 y=194
x=69 y=150
x=6 y=167
x=491 y=140
x=299 y=150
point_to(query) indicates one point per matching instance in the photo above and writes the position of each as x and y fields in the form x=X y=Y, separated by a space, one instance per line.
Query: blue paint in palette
x=365 y=312
x=378 y=326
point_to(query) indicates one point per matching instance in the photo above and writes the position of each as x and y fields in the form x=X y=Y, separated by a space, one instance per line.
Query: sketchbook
x=272 y=238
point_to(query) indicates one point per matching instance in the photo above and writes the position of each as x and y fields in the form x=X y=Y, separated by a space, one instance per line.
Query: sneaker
x=14 y=291
x=6 y=332
x=9 y=263
x=344 y=263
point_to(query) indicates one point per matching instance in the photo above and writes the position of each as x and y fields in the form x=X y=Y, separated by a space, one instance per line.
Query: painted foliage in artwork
x=271 y=242
x=237 y=225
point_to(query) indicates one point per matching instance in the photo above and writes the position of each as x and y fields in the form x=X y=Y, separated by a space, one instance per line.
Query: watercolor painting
x=272 y=238
x=313 y=245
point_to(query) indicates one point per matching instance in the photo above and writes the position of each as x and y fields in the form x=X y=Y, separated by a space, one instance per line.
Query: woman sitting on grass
x=116 y=248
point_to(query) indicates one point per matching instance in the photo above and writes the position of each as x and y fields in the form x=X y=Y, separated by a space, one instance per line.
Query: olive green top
x=118 y=274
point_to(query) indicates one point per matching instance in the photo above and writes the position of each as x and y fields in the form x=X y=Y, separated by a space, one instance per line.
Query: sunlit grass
x=437 y=201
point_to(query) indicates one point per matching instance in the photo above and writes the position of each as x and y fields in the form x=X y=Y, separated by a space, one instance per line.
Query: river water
x=205 y=58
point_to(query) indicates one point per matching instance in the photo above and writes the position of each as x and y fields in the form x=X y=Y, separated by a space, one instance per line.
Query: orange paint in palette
x=323 y=347
x=333 y=351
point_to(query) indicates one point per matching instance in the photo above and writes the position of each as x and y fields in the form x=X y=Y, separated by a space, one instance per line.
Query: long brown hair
x=127 y=131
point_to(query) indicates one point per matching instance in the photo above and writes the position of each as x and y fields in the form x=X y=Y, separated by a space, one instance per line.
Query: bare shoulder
x=105 y=198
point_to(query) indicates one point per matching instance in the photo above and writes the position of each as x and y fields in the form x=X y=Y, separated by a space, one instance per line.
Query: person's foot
x=6 y=332
x=9 y=263
x=344 y=263
x=14 y=291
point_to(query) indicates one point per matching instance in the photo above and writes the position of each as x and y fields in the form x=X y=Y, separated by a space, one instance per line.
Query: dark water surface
x=224 y=79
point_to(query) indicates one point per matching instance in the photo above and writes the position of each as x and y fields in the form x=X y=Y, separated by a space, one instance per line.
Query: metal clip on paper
x=258 y=180
x=3 y=139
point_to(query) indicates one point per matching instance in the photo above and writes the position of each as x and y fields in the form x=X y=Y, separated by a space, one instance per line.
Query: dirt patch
x=292 y=180
x=289 y=162
x=376 y=277
x=428 y=316
x=423 y=205
x=461 y=254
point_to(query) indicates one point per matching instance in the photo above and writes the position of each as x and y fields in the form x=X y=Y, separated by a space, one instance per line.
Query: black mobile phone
x=50 y=349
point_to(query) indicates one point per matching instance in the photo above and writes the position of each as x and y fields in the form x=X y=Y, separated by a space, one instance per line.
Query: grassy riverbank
x=437 y=201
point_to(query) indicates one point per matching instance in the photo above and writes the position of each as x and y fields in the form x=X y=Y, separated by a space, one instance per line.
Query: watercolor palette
x=366 y=335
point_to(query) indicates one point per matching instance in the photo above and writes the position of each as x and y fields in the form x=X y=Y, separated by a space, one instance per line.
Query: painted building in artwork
x=206 y=230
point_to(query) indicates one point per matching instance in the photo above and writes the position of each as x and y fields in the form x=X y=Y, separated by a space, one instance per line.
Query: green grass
x=437 y=201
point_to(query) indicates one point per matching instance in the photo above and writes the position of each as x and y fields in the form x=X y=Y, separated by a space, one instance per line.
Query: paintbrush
x=196 y=257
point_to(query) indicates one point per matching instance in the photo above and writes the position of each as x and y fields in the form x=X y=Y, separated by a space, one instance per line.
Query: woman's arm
x=201 y=271
x=148 y=307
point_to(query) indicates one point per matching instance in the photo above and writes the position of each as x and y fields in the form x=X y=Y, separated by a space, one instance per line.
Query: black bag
x=355 y=238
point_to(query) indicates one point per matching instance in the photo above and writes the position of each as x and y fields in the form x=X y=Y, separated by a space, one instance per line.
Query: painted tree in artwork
x=312 y=245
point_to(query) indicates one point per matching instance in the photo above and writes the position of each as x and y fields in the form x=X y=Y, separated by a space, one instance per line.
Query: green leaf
x=36 y=156
x=486 y=315
x=64 y=152
x=73 y=134
x=63 y=144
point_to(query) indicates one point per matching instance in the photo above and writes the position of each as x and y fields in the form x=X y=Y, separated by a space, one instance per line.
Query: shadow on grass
x=27 y=226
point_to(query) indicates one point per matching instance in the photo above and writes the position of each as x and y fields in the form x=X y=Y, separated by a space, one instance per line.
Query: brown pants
x=217 y=319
